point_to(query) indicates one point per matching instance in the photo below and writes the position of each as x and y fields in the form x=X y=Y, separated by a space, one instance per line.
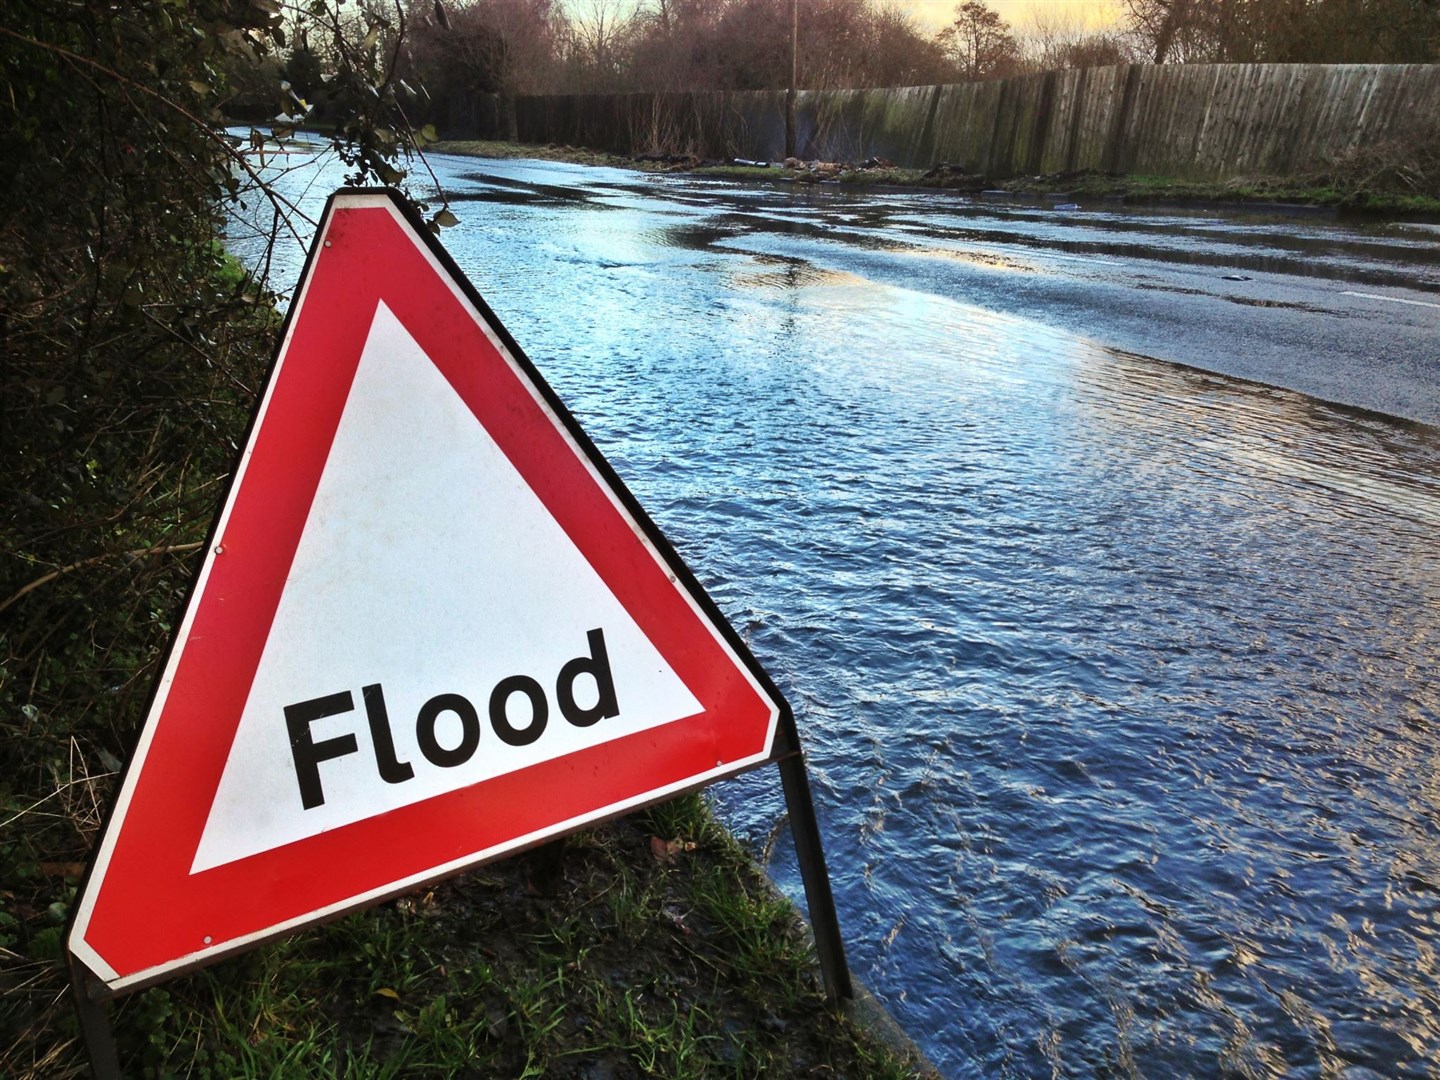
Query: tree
x=456 y=62
x=1199 y=31
x=1095 y=50
x=478 y=48
x=855 y=43
x=1058 y=38
x=532 y=31
x=674 y=46
x=1154 y=23
x=594 y=46
x=1286 y=31
x=980 y=43
x=897 y=53
x=133 y=351
x=745 y=45
x=304 y=72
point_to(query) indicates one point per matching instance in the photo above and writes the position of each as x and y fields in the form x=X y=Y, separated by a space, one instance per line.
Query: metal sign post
x=94 y=1022
x=829 y=945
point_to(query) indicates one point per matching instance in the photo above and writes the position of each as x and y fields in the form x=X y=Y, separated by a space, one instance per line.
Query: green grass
x=1141 y=189
x=650 y=946
x=490 y=148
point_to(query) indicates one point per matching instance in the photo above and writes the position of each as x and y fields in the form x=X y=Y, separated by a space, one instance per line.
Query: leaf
x=445 y=219
x=666 y=850
x=385 y=991
x=68 y=870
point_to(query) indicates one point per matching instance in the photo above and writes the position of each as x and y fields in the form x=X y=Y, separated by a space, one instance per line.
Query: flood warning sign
x=431 y=626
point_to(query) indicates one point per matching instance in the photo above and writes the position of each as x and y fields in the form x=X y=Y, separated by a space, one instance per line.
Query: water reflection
x=1117 y=675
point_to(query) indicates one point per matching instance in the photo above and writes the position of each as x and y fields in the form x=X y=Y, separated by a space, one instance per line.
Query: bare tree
x=1152 y=22
x=674 y=46
x=980 y=42
x=898 y=53
x=531 y=31
x=594 y=45
x=1206 y=31
x=855 y=43
x=1054 y=38
x=745 y=45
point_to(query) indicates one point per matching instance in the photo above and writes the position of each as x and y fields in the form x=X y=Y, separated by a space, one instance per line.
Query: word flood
x=534 y=715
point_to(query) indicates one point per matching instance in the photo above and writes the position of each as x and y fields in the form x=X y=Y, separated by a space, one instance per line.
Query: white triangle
x=428 y=566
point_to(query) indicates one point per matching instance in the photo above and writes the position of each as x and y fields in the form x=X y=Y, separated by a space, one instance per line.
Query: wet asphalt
x=1346 y=312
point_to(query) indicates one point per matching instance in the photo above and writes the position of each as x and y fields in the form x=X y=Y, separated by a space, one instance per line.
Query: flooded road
x=1117 y=677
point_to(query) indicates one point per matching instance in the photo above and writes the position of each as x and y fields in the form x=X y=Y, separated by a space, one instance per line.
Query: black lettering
x=500 y=719
x=425 y=730
x=392 y=769
x=597 y=666
x=306 y=751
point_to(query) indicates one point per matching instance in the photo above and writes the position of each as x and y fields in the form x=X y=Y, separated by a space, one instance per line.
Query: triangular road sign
x=431 y=627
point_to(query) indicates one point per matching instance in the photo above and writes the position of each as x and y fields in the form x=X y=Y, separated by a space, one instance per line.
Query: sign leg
x=829 y=946
x=94 y=1025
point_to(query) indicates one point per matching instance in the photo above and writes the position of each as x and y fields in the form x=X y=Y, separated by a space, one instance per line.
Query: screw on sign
x=432 y=627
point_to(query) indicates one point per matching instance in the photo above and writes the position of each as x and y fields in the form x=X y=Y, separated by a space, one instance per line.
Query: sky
x=933 y=14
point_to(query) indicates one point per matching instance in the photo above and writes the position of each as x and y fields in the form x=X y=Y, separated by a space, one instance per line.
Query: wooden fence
x=1197 y=121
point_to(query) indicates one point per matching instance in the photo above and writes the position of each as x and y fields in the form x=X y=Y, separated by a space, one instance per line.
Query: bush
x=133 y=350
x=1393 y=167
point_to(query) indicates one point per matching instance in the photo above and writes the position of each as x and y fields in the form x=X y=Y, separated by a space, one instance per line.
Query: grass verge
x=490 y=148
x=1337 y=188
x=1313 y=191
x=650 y=946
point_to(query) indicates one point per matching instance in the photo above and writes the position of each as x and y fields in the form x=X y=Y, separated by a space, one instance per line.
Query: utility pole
x=794 y=68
